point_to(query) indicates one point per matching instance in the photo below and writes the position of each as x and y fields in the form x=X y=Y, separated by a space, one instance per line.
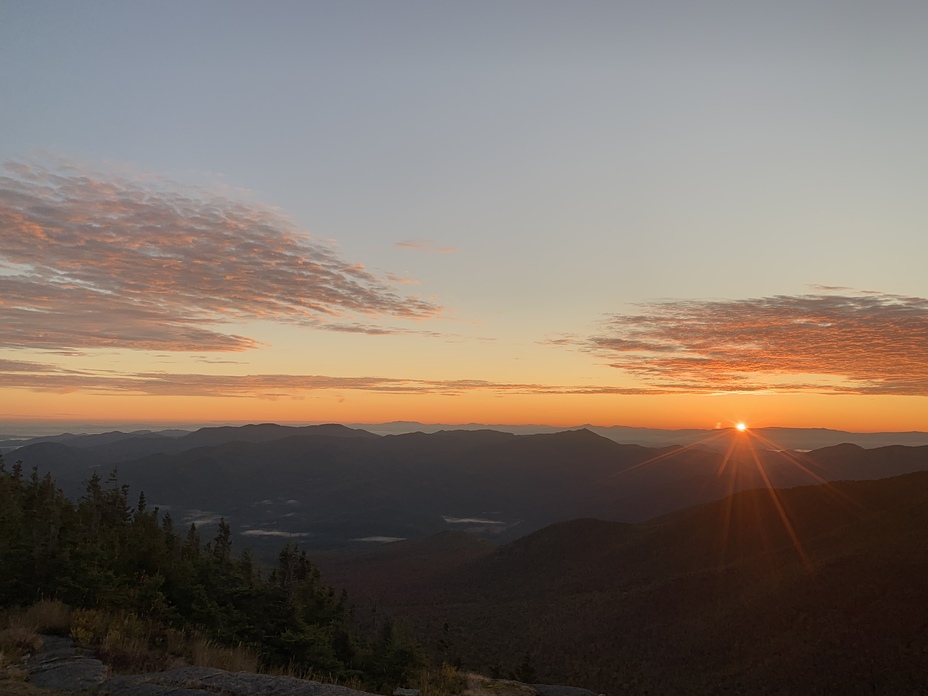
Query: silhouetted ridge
x=845 y=449
x=331 y=485
x=266 y=432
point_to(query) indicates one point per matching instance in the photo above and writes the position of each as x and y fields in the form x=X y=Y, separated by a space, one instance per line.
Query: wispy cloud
x=93 y=261
x=562 y=340
x=392 y=277
x=44 y=378
x=867 y=343
x=831 y=288
x=381 y=330
x=426 y=245
x=21 y=366
x=274 y=533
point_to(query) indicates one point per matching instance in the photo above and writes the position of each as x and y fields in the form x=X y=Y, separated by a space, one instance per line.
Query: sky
x=662 y=214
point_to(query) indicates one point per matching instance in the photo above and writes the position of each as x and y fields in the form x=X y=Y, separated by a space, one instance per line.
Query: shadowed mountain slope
x=812 y=590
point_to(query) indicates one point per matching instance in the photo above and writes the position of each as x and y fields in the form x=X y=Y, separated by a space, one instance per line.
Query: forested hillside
x=816 y=589
x=811 y=590
x=103 y=553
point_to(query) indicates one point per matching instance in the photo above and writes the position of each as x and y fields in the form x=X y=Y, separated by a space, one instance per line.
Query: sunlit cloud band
x=49 y=378
x=866 y=343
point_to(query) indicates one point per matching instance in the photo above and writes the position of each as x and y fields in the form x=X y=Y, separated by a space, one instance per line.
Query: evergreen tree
x=103 y=553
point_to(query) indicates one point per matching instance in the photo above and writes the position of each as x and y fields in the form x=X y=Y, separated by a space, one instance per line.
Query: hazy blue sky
x=547 y=164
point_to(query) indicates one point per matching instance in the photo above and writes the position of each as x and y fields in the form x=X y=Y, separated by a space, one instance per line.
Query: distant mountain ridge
x=332 y=486
x=780 y=437
x=151 y=442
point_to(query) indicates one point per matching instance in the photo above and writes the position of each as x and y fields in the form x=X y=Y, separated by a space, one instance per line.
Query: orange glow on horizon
x=853 y=414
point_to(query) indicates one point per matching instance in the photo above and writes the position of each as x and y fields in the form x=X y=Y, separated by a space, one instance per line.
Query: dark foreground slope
x=815 y=590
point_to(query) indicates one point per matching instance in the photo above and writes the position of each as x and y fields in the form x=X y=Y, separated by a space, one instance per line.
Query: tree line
x=104 y=552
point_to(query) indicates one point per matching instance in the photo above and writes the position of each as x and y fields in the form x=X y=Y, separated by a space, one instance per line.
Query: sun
x=741 y=427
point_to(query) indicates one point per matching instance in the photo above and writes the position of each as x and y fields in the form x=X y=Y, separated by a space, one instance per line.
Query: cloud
x=213 y=361
x=274 y=533
x=379 y=330
x=864 y=343
x=393 y=278
x=45 y=378
x=425 y=245
x=10 y=366
x=89 y=261
x=562 y=340
x=831 y=288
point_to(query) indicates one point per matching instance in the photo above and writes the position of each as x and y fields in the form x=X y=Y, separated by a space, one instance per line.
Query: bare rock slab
x=200 y=681
x=60 y=665
x=558 y=690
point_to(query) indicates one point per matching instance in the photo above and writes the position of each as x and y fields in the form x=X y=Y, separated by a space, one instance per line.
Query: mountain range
x=780 y=438
x=331 y=486
x=725 y=566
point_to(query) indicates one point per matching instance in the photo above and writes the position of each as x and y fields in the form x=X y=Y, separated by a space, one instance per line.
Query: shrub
x=87 y=627
x=48 y=616
x=15 y=642
x=443 y=681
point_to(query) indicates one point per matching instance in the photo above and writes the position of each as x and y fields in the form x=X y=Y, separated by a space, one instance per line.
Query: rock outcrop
x=200 y=681
x=60 y=665
x=557 y=690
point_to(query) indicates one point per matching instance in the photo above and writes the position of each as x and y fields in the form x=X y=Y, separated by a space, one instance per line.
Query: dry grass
x=86 y=626
x=293 y=670
x=48 y=616
x=20 y=629
x=123 y=641
x=441 y=681
x=478 y=685
x=349 y=682
x=127 y=643
x=19 y=637
x=17 y=641
x=205 y=653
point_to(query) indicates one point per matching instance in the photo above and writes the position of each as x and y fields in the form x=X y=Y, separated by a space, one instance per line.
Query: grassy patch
x=125 y=642
x=129 y=644
x=478 y=685
x=448 y=681
x=207 y=653
x=441 y=681
x=47 y=616
x=16 y=642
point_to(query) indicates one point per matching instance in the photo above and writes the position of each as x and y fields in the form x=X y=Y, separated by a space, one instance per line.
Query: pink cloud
x=48 y=378
x=863 y=343
x=97 y=261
